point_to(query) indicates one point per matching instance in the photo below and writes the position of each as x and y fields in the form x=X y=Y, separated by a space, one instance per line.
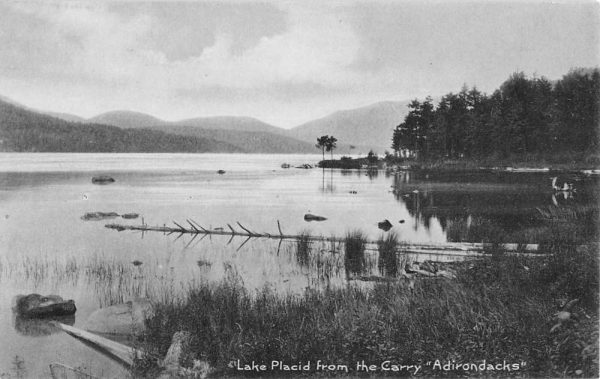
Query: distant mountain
x=65 y=116
x=249 y=141
x=247 y=134
x=62 y=116
x=13 y=102
x=126 y=119
x=246 y=124
x=357 y=131
x=23 y=130
x=369 y=127
x=129 y=119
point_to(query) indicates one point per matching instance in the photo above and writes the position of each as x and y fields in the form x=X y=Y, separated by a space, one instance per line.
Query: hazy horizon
x=284 y=63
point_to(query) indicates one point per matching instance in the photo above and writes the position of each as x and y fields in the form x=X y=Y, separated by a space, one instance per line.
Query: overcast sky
x=282 y=62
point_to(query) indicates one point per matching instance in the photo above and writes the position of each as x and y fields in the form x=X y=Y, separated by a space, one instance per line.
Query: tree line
x=525 y=117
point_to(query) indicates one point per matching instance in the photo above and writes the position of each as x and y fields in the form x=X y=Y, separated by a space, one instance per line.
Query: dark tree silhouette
x=322 y=143
x=330 y=145
x=525 y=118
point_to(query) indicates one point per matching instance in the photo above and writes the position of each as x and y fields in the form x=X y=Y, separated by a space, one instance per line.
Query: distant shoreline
x=392 y=163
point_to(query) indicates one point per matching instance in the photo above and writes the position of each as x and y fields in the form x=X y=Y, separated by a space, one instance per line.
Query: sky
x=282 y=62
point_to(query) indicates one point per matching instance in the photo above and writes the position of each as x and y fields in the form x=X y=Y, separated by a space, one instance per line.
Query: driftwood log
x=122 y=352
x=448 y=248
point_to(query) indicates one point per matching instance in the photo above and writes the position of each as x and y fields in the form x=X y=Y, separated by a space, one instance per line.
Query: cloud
x=315 y=48
x=284 y=62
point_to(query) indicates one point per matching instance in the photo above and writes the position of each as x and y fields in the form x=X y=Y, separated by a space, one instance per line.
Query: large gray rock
x=124 y=319
x=179 y=353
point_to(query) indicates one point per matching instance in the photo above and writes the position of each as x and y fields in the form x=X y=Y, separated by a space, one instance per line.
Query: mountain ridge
x=357 y=129
x=23 y=130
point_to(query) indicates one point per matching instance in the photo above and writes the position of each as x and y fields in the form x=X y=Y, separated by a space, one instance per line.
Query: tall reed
x=354 y=252
x=388 y=259
x=303 y=247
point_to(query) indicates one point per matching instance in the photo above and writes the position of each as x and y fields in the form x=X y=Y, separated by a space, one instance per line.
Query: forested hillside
x=526 y=118
x=249 y=141
x=22 y=130
x=245 y=133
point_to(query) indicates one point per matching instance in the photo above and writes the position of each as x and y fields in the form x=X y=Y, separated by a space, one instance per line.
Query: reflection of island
x=491 y=208
x=33 y=327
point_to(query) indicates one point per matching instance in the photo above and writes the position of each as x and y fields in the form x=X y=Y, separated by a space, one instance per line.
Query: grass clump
x=354 y=252
x=388 y=260
x=303 y=248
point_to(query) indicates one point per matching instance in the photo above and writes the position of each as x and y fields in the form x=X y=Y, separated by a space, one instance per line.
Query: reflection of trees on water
x=372 y=173
x=496 y=212
x=350 y=172
x=327 y=185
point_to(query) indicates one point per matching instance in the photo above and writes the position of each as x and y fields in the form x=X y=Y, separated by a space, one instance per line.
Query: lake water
x=46 y=247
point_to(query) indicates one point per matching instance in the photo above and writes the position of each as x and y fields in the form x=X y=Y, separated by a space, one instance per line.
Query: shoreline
x=395 y=164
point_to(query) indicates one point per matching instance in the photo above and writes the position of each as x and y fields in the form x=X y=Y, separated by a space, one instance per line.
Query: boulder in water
x=97 y=216
x=385 y=225
x=311 y=217
x=122 y=319
x=130 y=215
x=102 y=179
x=38 y=306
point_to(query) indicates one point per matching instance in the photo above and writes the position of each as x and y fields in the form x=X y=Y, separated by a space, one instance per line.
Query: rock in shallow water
x=102 y=179
x=97 y=216
x=311 y=217
x=38 y=306
x=130 y=216
x=125 y=319
x=385 y=225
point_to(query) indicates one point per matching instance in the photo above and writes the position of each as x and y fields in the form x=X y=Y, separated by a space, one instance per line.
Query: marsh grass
x=387 y=246
x=501 y=308
x=111 y=280
x=354 y=253
x=303 y=247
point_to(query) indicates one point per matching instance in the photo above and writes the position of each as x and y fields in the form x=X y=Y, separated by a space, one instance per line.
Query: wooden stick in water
x=460 y=248
x=122 y=352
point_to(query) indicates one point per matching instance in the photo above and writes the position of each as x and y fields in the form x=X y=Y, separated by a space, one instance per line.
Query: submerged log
x=124 y=353
x=62 y=371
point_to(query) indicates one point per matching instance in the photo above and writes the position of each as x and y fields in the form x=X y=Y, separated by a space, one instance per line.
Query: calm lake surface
x=46 y=247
